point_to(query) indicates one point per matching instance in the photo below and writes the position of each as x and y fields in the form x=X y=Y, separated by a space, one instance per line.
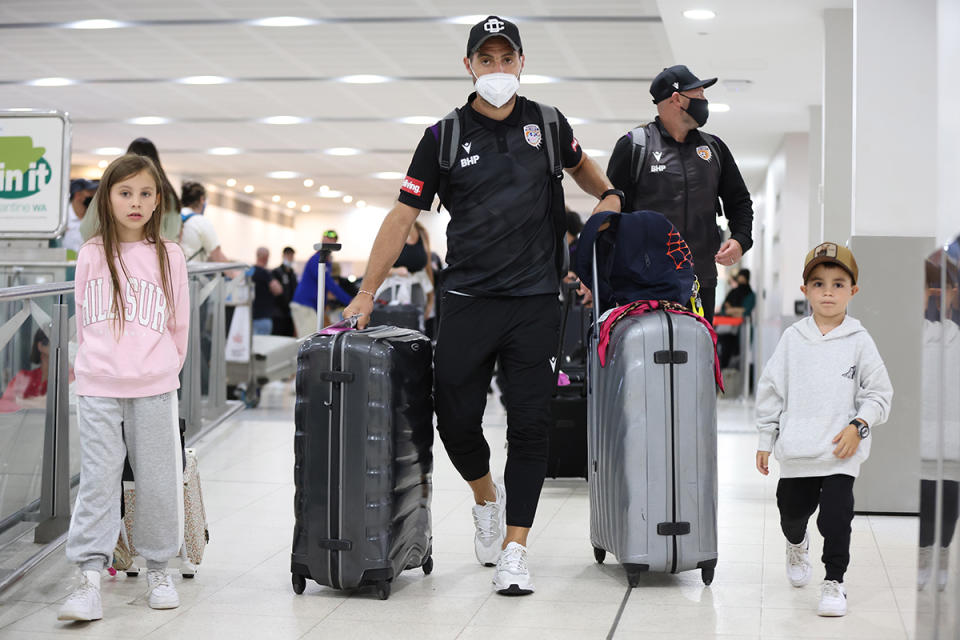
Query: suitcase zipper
x=673 y=441
x=336 y=425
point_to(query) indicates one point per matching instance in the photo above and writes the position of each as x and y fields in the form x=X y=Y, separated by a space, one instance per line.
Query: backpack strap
x=551 y=122
x=638 y=153
x=186 y=216
x=447 y=144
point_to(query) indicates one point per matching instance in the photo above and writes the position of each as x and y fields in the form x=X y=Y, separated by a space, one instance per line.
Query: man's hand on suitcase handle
x=361 y=306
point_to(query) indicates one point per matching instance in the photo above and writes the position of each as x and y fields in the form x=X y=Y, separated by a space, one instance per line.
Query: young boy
x=819 y=395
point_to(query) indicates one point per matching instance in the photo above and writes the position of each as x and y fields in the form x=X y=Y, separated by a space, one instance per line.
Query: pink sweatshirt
x=147 y=358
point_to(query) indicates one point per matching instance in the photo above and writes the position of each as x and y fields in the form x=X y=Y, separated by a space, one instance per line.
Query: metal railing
x=39 y=468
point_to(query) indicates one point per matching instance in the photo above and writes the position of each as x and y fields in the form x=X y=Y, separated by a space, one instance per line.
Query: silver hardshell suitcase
x=652 y=446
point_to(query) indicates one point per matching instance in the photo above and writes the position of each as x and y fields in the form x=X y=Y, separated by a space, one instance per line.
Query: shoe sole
x=75 y=617
x=514 y=590
x=165 y=605
x=831 y=614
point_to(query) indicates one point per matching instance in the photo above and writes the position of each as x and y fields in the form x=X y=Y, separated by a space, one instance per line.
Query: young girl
x=132 y=320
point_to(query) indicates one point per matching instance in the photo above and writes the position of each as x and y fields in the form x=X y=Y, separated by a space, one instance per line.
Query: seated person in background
x=28 y=389
x=740 y=301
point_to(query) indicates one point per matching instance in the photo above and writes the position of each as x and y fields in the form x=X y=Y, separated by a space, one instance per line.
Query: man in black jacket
x=672 y=167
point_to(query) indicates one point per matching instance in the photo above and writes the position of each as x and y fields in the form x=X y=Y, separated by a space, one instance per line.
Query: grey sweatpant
x=151 y=436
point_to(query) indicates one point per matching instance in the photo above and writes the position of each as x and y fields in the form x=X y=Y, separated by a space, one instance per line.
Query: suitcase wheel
x=133 y=574
x=428 y=566
x=707 y=574
x=383 y=589
x=599 y=554
x=188 y=576
x=299 y=583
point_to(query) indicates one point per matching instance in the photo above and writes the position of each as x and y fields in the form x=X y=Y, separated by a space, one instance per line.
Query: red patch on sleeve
x=574 y=144
x=412 y=185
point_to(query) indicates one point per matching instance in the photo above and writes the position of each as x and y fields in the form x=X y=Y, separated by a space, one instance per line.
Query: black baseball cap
x=79 y=184
x=491 y=27
x=676 y=78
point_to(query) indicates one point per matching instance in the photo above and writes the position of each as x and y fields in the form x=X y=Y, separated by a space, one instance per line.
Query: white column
x=815 y=169
x=837 y=124
x=948 y=118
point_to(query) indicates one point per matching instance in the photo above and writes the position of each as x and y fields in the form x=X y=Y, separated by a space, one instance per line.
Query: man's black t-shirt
x=500 y=240
x=263 y=304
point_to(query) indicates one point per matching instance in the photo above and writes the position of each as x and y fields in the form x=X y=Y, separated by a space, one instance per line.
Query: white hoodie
x=811 y=388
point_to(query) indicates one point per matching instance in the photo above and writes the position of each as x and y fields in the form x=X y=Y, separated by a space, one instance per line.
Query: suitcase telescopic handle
x=325 y=249
x=569 y=290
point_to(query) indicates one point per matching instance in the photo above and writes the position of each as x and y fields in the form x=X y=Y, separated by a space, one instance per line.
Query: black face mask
x=698 y=110
x=87 y=201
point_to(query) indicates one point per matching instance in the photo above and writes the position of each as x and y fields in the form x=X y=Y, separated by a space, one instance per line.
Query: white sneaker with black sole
x=163 y=595
x=490 y=520
x=833 y=599
x=798 y=562
x=513 y=576
x=84 y=604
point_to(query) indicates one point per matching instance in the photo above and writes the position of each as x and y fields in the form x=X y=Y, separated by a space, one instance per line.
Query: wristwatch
x=862 y=427
x=618 y=193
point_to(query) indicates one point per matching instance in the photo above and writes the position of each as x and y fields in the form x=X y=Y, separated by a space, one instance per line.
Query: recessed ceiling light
x=95 y=24
x=533 y=78
x=108 y=151
x=283 y=21
x=283 y=175
x=284 y=120
x=223 y=151
x=248 y=188
x=388 y=175
x=232 y=182
x=149 y=120
x=596 y=153
x=204 y=80
x=51 y=82
x=719 y=107
x=699 y=14
x=361 y=204
x=329 y=193
x=364 y=78
x=305 y=208
x=342 y=151
x=323 y=188
x=103 y=164
x=466 y=19
x=291 y=204
x=275 y=198
x=421 y=120
x=308 y=183
x=348 y=199
x=20 y=109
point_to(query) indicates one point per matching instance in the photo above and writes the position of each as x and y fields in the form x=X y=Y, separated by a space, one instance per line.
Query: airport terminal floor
x=243 y=587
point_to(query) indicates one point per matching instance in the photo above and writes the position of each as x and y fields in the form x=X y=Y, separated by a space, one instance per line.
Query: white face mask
x=497 y=88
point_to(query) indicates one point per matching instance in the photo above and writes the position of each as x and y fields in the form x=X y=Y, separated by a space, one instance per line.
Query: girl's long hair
x=120 y=169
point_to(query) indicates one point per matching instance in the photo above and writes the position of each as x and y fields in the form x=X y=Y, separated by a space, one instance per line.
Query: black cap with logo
x=676 y=78
x=491 y=27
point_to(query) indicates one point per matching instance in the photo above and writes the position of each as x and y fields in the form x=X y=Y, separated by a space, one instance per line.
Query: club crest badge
x=704 y=152
x=531 y=134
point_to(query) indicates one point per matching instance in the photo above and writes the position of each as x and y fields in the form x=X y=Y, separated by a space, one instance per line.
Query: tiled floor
x=243 y=588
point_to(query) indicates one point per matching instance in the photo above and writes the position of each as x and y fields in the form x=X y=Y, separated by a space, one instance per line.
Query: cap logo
x=827 y=249
x=676 y=85
x=493 y=26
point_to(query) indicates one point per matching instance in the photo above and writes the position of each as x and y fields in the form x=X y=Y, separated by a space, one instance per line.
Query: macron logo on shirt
x=412 y=185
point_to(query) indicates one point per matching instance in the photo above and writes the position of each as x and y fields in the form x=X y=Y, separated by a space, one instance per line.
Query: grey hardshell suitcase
x=652 y=446
x=363 y=458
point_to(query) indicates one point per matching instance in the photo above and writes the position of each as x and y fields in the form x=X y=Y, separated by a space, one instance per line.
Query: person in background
x=287 y=277
x=198 y=238
x=81 y=194
x=303 y=307
x=266 y=288
x=133 y=314
x=739 y=303
x=170 y=222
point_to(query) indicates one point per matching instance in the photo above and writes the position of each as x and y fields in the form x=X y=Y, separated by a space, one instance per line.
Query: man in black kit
x=496 y=164
x=673 y=167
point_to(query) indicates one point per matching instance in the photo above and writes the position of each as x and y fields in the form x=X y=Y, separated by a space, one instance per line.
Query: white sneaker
x=513 y=577
x=490 y=519
x=924 y=566
x=798 y=562
x=833 y=599
x=84 y=604
x=163 y=595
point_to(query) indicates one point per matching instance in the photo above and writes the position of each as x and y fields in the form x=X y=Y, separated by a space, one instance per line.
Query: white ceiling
x=604 y=52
